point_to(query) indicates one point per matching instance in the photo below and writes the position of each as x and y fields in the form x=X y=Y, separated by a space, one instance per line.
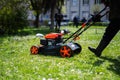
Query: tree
x=51 y=5
x=13 y=15
x=37 y=6
x=43 y=6
x=96 y=8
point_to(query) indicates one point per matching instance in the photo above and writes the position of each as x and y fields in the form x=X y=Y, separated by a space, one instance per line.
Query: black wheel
x=66 y=51
x=79 y=49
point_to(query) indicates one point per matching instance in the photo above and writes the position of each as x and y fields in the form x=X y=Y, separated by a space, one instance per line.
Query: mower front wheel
x=66 y=51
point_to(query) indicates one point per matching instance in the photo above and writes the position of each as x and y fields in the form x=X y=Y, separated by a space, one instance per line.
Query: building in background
x=83 y=8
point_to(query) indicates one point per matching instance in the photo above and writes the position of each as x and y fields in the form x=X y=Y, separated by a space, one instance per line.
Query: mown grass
x=16 y=63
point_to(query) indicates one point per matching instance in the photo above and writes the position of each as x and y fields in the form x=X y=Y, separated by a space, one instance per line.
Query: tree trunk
x=37 y=19
x=52 y=17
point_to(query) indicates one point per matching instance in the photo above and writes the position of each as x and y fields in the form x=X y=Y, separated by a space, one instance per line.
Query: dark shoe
x=98 y=54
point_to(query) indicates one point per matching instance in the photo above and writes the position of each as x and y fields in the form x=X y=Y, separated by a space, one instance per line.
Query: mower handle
x=76 y=33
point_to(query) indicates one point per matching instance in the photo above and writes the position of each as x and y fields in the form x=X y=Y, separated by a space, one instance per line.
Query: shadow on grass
x=51 y=55
x=115 y=66
x=25 y=32
x=55 y=54
x=29 y=31
x=98 y=63
x=33 y=31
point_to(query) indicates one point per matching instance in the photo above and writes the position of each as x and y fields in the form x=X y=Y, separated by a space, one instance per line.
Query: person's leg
x=59 y=25
x=76 y=25
x=110 y=32
x=56 y=25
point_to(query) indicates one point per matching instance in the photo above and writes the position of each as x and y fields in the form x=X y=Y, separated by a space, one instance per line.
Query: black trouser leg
x=109 y=34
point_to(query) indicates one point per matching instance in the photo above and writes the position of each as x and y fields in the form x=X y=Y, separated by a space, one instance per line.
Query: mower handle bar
x=76 y=34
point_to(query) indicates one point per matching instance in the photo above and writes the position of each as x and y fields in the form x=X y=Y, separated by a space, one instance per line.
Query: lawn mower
x=54 y=44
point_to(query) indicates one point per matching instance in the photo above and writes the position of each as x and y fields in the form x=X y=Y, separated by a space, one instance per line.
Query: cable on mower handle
x=77 y=33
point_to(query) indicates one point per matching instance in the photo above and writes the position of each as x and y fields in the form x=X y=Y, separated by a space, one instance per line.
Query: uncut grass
x=16 y=63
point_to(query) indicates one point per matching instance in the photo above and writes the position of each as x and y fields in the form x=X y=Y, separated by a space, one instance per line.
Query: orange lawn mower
x=54 y=44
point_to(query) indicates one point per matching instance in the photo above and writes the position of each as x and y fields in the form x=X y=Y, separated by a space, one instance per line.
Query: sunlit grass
x=16 y=63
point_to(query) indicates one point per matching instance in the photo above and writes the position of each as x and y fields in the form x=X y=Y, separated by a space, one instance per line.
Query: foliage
x=51 y=6
x=96 y=8
x=96 y=23
x=37 y=6
x=101 y=24
x=13 y=16
x=16 y=63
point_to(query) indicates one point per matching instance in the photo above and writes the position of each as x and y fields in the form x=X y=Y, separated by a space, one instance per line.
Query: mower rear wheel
x=79 y=49
x=65 y=51
x=34 y=50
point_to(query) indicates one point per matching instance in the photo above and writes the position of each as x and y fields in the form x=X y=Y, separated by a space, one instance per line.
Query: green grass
x=16 y=63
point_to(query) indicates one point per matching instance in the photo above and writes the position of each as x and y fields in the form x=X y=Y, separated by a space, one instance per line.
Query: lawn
x=16 y=63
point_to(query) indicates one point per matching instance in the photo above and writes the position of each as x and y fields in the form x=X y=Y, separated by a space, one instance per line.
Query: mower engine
x=52 y=39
